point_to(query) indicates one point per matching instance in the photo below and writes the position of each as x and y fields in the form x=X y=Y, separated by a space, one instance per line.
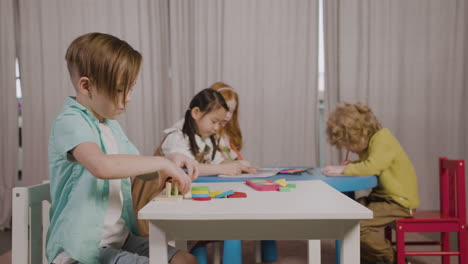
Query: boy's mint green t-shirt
x=80 y=200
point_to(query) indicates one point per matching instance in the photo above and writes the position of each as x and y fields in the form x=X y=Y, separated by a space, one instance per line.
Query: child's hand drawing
x=333 y=170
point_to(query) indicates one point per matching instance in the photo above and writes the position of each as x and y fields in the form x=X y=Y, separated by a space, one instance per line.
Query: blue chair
x=232 y=252
x=200 y=254
x=269 y=251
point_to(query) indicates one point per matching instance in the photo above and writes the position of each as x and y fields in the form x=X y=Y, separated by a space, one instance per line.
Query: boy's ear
x=196 y=113
x=84 y=86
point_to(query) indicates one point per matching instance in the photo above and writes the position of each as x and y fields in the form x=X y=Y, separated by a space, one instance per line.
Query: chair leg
x=400 y=244
x=445 y=239
x=338 y=251
x=462 y=246
x=200 y=254
x=269 y=251
x=232 y=252
x=388 y=233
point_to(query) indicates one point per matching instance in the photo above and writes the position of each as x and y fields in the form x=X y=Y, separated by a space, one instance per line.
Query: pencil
x=347 y=154
x=227 y=153
x=237 y=152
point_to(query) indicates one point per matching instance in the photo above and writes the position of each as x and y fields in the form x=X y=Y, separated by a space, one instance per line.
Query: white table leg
x=314 y=251
x=181 y=245
x=217 y=252
x=157 y=245
x=258 y=251
x=350 y=246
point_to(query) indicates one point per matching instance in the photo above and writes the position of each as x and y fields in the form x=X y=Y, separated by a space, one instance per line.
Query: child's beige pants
x=374 y=246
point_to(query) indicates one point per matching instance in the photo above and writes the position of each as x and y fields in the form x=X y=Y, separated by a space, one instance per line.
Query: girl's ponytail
x=190 y=129
x=215 y=146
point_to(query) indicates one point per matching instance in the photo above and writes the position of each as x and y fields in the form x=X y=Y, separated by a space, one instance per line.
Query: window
x=321 y=90
x=19 y=97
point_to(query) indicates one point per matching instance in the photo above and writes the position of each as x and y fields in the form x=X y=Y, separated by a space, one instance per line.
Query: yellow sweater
x=386 y=158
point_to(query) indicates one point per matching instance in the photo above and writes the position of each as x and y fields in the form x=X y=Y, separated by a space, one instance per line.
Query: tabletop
x=311 y=211
x=309 y=200
x=340 y=183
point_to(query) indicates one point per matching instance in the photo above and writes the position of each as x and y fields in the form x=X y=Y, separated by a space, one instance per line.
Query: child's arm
x=380 y=157
x=181 y=161
x=227 y=168
x=119 y=166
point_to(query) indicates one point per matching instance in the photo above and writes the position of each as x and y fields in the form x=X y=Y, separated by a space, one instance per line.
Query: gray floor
x=295 y=252
x=290 y=252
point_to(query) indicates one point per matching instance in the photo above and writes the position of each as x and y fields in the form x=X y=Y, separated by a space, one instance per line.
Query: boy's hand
x=333 y=170
x=177 y=174
x=185 y=162
x=345 y=162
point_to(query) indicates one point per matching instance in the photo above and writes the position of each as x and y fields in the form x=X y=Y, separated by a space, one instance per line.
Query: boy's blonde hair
x=110 y=63
x=351 y=126
x=232 y=128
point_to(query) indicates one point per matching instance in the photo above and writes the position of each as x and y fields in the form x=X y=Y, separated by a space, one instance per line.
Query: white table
x=312 y=211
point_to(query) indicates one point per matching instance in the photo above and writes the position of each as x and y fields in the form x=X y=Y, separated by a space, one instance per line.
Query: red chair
x=450 y=218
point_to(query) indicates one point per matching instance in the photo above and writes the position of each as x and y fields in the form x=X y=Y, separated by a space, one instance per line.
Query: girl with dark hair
x=195 y=136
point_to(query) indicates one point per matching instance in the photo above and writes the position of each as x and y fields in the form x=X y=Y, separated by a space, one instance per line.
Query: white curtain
x=267 y=50
x=195 y=48
x=405 y=60
x=8 y=112
x=48 y=27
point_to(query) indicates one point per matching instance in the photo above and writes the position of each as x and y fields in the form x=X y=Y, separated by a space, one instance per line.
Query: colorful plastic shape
x=213 y=194
x=224 y=194
x=200 y=192
x=200 y=188
x=238 y=195
x=282 y=182
x=201 y=198
x=263 y=185
x=200 y=195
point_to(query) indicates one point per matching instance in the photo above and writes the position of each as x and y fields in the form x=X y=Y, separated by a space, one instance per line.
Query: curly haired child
x=355 y=128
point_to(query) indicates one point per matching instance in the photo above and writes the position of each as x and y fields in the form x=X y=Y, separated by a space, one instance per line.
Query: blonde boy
x=355 y=128
x=91 y=161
